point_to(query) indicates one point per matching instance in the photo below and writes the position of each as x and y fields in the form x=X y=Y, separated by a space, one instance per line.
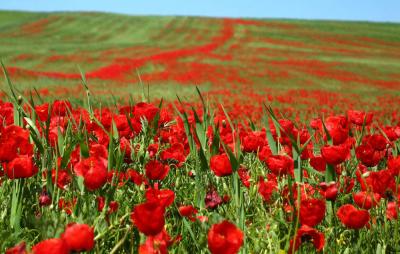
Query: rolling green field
x=350 y=63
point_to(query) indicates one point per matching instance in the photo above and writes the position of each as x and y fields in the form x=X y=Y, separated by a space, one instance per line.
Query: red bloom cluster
x=287 y=166
x=76 y=238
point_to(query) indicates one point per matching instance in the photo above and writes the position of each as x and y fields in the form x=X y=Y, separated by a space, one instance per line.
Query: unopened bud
x=19 y=99
x=44 y=199
x=224 y=123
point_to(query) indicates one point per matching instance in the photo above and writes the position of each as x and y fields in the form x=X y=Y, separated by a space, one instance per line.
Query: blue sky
x=370 y=10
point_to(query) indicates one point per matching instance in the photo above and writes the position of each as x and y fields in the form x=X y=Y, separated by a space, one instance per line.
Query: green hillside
x=173 y=54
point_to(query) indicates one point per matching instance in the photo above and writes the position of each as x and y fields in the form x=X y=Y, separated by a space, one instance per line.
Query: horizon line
x=201 y=16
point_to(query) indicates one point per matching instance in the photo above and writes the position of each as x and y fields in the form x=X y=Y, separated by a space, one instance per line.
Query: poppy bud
x=329 y=191
x=223 y=123
x=212 y=199
x=19 y=99
x=44 y=199
x=188 y=211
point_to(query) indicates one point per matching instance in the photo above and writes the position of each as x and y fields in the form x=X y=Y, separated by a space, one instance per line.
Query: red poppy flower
x=391 y=210
x=96 y=175
x=61 y=108
x=391 y=132
x=280 y=164
x=78 y=237
x=174 y=154
x=316 y=124
x=157 y=244
x=62 y=177
x=123 y=126
x=368 y=156
x=329 y=191
x=98 y=151
x=152 y=149
x=351 y=217
x=266 y=189
x=318 y=163
x=51 y=246
x=188 y=211
x=21 y=167
x=312 y=211
x=114 y=205
x=224 y=238
x=264 y=154
x=377 y=182
x=163 y=197
x=125 y=147
x=155 y=170
x=149 y=218
x=145 y=110
x=307 y=234
x=253 y=142
x=286 y=125
x=394 y=165
x=338 y=129
x=377 y=141
x=6 y=113
x=14 y=141
x=220 y=165
x=366 y=200
x=358 y=117
x=42 y=111
x=334 y=155
x=17 y=249
x=134 y=176
x=244 y=176
x=100 y=203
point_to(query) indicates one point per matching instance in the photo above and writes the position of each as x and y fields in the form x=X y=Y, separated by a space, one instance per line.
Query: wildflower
x=51 y=246
x=224 y=238
x=220 y=165
x=149 y=218
x=155 y=170
x=307 y=234
x=353 y=218
x=312 y=211
x=78 y=237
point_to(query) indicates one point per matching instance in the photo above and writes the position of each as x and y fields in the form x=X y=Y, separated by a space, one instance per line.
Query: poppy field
x=142 y=135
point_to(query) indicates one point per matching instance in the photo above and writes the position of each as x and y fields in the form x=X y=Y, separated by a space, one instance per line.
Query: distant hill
x=43 y=50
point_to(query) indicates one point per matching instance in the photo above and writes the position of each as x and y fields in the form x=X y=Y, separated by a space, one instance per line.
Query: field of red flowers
x=290 y=143
x=299 y=67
